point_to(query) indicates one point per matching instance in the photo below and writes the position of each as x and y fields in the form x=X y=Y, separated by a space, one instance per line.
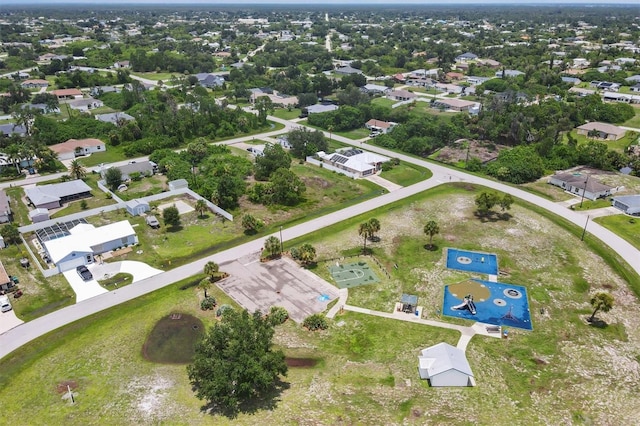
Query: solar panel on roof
x=57 y=230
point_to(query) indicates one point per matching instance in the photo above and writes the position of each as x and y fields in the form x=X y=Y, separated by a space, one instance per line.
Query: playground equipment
x=467 y=303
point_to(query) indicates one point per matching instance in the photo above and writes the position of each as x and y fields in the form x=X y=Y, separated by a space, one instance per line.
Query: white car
x=5 y=305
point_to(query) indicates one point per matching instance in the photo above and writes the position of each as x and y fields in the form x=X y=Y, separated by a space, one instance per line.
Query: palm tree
x=307 y=253
x=13 y=155
x=431 y=228
x=76 y=170
x=601 y=302
x=204 y=285
x=211 y=269
x=364 y=230
x=201 y=207
x=272 y=245
x=374 y=225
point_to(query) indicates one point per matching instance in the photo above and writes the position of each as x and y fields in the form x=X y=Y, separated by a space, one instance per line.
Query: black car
x=84 y=273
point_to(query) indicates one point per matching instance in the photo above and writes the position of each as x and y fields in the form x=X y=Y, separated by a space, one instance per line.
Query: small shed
x=445 y=365
x=137 y=207
x=39 y=215
x=178 y=184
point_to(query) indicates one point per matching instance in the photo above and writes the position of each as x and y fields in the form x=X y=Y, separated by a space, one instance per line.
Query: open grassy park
x=563 y=372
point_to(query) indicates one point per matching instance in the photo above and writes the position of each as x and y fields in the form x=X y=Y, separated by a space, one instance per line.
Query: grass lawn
x=624 y=226
x=365 y=370
x=110 y=155
x=118 y=280
x=406 y=174
x=164 y=76
x=590 y=205
x=384 y=102
x=285 y=114
x=355 y=134
x=144 y=187
x=634 y=121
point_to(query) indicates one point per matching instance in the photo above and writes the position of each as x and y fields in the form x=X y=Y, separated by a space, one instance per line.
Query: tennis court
x=472 y=261
x=352 y=274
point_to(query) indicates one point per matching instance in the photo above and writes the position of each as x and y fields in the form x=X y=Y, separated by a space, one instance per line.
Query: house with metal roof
x=629 y=204
x=145 y=168
x=86 y=241
x=445 y=365
x=77 y=147
x=55 y=195
x=114 y=117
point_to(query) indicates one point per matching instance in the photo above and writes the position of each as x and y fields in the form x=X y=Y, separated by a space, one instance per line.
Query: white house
x=353 y=162
x=580 y=185
x=86 y=241
x=85 y=105
x=77 y=147
x=445 y=365
x=380 y=126
x=39 y=215
x=137 y=207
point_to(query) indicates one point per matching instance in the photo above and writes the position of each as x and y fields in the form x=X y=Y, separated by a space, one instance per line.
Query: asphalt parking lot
x=259 y=286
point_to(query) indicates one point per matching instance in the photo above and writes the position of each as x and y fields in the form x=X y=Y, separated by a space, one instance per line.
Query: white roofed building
x=353 y=162
x=445 y=365
x=86 y=241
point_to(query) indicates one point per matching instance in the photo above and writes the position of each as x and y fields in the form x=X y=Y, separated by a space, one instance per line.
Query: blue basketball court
x=493 y=303
x=472 y=261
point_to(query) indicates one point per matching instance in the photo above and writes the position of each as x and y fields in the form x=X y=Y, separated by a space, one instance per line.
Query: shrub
x=316 y=322
x=222 y=309
x=277 y=315
x=208 y=303
x=84 y=205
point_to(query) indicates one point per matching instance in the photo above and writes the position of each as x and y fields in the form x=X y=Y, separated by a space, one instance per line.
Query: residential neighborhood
x=319 y=214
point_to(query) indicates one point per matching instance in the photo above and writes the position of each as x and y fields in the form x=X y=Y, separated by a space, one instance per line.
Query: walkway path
x=24 y=333
x=386 y=184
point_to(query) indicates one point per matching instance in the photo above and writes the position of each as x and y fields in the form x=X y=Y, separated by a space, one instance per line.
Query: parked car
x=5 y=305
x=84 y=273
x=153 y=222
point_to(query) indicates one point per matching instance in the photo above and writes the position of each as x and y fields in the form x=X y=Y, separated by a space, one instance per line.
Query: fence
x=342 y=258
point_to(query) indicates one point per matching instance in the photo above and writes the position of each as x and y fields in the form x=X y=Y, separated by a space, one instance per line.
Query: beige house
x=77 y=147
x=601 y=130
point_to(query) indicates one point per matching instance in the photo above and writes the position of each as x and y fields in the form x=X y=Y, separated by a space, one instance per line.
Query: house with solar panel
x=353 y=162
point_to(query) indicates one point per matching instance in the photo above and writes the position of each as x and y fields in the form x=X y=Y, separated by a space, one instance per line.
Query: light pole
x=584 y=190
x=584 y=231
x=281 y=243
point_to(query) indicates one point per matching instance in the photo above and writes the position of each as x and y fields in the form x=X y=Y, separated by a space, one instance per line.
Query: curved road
x=26 y=332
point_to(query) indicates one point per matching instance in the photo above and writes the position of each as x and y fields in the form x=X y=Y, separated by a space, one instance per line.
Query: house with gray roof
x=629 y=204
x=209 y=80
x=347 y=70
x=5 y=208
x=445 y=365
x=145 y=168
x=10 y=128
x=114 y=117
x=581 y=185
x=55 y=195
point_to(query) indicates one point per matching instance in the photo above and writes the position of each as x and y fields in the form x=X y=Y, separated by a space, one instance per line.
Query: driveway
x=259 y=286
x=386 y=184
x=84 y=289
x=8 y=320
x=139 y=270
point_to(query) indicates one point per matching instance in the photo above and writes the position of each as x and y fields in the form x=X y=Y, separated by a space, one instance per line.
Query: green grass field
x=634 y=121
x=406 y=174
x=624 y=226
x=285 y=114
x=366 y=366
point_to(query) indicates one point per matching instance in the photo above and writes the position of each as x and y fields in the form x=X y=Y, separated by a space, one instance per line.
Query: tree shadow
x=250 y=232
x=204 y=216
x=597 y=323
x=175 y=228
x=268 y=401
x=374 y=239
x=431 y=247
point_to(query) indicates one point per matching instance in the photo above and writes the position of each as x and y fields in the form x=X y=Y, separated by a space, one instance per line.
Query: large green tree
x=171 y=216
x=305 y=142
x=286 y=187
x=235 y=362
x=274 y=157
x=113 y=177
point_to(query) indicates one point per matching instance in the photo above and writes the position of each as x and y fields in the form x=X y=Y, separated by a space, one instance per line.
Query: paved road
x=26 y=332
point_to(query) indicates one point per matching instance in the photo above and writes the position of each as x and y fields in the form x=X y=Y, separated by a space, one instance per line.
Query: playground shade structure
x=352 y=274
x=494 y=303
x=472 y=261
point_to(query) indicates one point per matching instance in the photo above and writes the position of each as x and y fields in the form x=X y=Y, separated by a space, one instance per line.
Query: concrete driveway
x=259 y=286
x=139 y=270
x=84 y=289
x=8 y=320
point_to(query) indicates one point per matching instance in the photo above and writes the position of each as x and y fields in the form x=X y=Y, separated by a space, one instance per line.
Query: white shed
x=178 y=184
x=445 y=365
x=137 y=207
x=39 y=215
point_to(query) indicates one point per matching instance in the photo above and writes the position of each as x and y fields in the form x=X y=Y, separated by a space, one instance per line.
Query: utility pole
x=584 y=231
x=584 y=190
x=281 y=242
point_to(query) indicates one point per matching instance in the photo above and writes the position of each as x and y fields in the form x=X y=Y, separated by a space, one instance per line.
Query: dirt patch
x=300 y=362
x=63 y=387
x=173 y=339
x=316 y=182
x=458 y=151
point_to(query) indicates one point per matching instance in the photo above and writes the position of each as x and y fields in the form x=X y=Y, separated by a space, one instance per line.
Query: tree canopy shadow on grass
x=204 y=216
x=492 y=216
x=175 y=228
x=268 y=401
x=431 y=247
x=597 y=323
